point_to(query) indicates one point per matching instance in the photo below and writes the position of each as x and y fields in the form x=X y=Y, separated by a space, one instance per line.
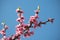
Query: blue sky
x=49 y=8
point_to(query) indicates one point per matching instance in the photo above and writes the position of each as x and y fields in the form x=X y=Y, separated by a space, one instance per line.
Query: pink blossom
x=6 y=27
x=21 y=20
x=19 y=29
x=17 y=26
x=35 y=24
x=37 y=11
x=32 y=18
x=34 y=21
x=19 y=14
x=36 y=15
x=3 y=32
x=26 y=26
x=28 y=34
x=9 y=38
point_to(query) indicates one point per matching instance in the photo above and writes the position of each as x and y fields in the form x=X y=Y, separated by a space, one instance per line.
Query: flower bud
x=18 y=10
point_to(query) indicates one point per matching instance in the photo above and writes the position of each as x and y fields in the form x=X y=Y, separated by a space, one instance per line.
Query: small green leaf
x=19 y=8
x=38 y=7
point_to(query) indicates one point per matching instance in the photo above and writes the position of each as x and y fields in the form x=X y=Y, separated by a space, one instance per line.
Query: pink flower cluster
x=22 y=28
x=3 y=31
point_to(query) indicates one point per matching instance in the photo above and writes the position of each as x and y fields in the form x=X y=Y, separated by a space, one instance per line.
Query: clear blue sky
x=49 y=8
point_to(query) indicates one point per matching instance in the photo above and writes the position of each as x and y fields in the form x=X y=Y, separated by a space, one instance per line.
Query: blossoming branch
x=22 y=28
